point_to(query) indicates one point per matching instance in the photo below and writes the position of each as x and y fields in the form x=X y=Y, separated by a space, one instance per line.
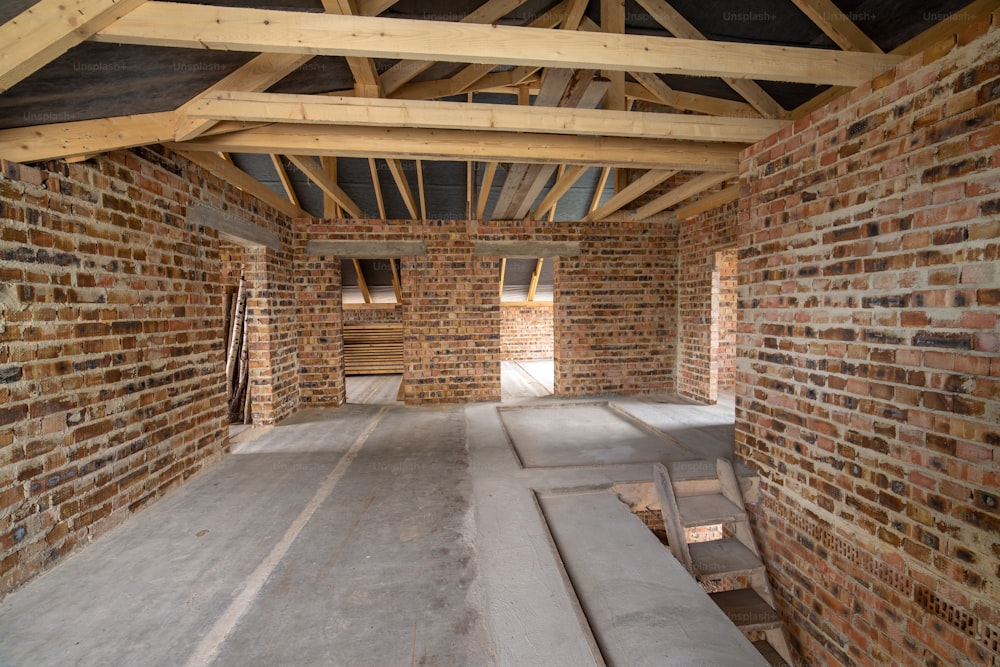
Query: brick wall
x=111 y=346
x=373 y=313
x=702 y=352
x=869 y=374
x=526 y=332
x=614 y=319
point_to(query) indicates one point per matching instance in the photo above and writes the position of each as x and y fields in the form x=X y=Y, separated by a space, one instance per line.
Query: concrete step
x=747 y=610
x=723 y=558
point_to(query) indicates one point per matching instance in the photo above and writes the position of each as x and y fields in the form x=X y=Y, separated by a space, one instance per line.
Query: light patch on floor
x=581 y=434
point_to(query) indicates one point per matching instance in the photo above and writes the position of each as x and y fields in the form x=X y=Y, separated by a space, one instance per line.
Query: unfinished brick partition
x=701 y=354
x=112 y=387
x=869 y=375
x=614 y=313
x=526 y=331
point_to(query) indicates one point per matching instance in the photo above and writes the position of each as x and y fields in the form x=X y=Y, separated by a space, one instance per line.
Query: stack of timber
x=238 y=358
x=373 y=349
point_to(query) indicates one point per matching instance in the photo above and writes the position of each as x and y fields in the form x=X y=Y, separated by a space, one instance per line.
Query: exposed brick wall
x=701 y=238
x=373 y=313
x=869 y=377
x=111 y=346
x=526 y=332
x=614 y=320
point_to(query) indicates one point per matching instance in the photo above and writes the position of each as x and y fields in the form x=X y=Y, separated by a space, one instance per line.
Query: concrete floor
x=386 y=535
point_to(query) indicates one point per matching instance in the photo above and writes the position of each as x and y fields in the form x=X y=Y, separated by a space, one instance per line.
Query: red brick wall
x=374 y=313
x=701 y=238
x=111 y=346
x=869 y=375
x=526 y=332
x=614 y=317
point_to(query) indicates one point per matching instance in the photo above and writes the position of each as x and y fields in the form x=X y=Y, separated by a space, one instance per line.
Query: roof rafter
x=635 y=189
x=50 y=28
x=233 y=28
x=314 y=171
x=696 y=185
x=837 y=26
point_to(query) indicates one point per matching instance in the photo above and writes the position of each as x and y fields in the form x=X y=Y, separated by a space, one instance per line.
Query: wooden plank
x=362 y=283
x=234 y=175
x=286 y=183
x=369 y=112
x=315 y=173
x=707 y=510
x=331 y=209
x=367 y=249
x=602 y=181
x=241 y=29
x=398 y=175
x=674 y=21
x=50 y=28
x=613 y=21
x=637 y=188
x=704 y=104
x=84 y=137
x=420 y=189
x=837 y=25
x=463 y=145
x=747 y=610
x=373 y=168
x=707 y=203
x=558 y=189
x=527 y=249
x=404 y=71
x=681 y=193
x=671 y=516
x=233 y=227
x=535 y=275
x=484 y=189
x=503 y=273
x=397 y=286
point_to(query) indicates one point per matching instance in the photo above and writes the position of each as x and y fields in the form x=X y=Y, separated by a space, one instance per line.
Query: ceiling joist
x=481 y=146
x=256 y=30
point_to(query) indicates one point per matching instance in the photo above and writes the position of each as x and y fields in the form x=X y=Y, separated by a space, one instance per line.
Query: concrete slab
x=644 y=607
x=373 y=389
x=517 y=382
x=708 y=431
x=579 y=434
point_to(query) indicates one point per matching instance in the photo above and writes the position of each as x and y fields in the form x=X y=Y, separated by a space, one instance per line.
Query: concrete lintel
x=366 y=249
x=233 y=228
x=528 y=249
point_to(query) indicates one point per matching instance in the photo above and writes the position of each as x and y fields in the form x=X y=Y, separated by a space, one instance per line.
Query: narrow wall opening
x=527 y=325
x=372 y=330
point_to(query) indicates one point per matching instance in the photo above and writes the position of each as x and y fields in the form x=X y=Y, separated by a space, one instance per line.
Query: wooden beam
x=315 y=173
x=404 y=71
x=374 y=7
x=331 y=209
x=558 y=189
x=837 y=25
x=637 y=188
x=85 y=137
x=257 y=75
x=681 y=193
x=527 y=249
x=367 y=249
x=377 y=185
x=50 y=28
x=674 y=21
x=552 y=209
x=233 y=227
x=503 y=273
x=398 y=175
x=234 y=175
x=420 y=190
x=484 y=189
x=236 y=28
x=712 y=201
x=535 y=275
x=602 y=181
x=712 y=106
x=286 y=182
x=397 y=286
x=461 y=145
x=362 y=283
x=613 y=21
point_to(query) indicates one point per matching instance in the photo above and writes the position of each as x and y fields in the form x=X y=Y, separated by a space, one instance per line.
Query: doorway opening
x=724 y=316
x=527 y=338
x=373 y=330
